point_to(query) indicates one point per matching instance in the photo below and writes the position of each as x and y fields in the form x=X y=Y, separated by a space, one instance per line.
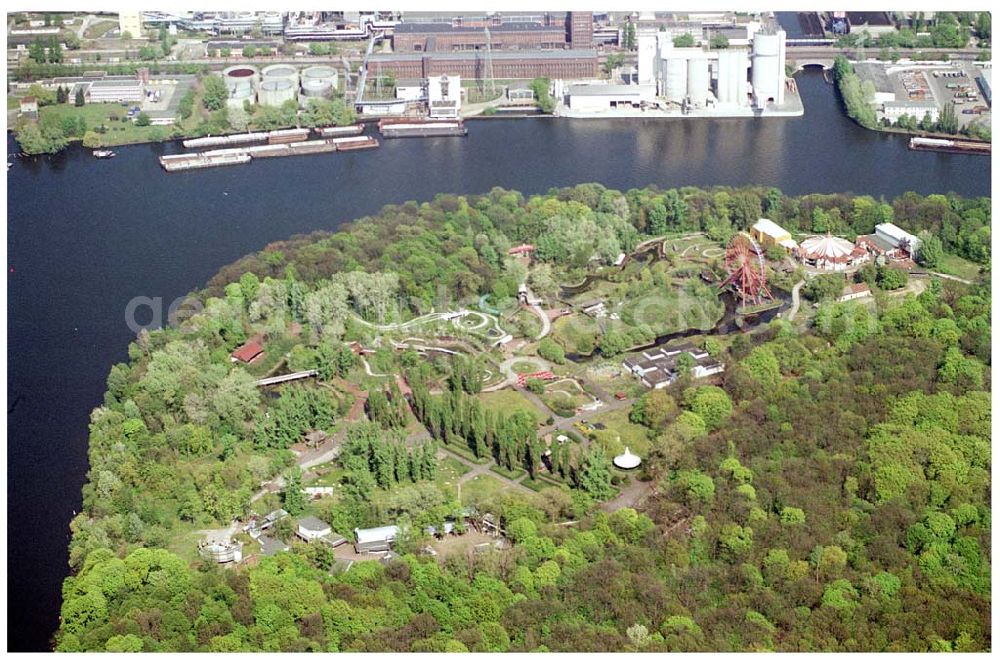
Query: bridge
x=291 y=377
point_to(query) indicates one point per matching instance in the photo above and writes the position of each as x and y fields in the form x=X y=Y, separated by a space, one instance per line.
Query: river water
x=85 y=236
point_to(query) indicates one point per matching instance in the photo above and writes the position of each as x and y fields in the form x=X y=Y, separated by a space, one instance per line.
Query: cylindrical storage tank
x=240 y=77
x=285 y=72
x=316 y=88
x=239 y=95
x=675 y=84
x=319 y=73
x=698 y=81
x=275 y=92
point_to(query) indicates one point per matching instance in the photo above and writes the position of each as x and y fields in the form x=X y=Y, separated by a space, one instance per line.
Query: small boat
x=104 y=154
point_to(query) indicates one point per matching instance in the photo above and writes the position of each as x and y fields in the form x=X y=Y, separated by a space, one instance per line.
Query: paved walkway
x=952 y=277
x=795 y=300
x=546 y=323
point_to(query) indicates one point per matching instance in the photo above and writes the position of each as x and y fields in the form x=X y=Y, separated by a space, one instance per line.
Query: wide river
x=86 y=236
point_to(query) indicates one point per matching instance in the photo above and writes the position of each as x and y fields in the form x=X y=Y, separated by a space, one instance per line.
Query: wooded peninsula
x=417 y=433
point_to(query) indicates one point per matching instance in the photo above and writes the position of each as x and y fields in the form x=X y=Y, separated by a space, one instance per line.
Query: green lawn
x=576 y=333
x=513 y=475
x=509 y=401
x=98 y=29
x=620 y=432
x=481 y=490
x=954 y=265
x=111 y=116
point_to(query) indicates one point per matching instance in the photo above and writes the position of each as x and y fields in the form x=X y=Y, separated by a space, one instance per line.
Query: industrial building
x=444 y=37
x=601 y=97
x=130 y=22
x=107 y=90
x=985 y=80
x=657 y=368
x=766 y=232
x=700 y=77
x=557 y=64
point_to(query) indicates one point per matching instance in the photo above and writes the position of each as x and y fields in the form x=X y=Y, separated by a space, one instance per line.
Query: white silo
x=767 y=71
x=675 y=79
x=646 y=59
x=323 y=73
x=731 y=81
x=698 y=81
x=275 y=92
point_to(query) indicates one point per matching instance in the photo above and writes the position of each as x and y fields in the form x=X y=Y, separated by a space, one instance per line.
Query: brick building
x=580 y=30
x=564 y=64
x=445 y=37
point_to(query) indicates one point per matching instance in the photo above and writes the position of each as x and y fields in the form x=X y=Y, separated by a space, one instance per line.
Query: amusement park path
x=795 y=300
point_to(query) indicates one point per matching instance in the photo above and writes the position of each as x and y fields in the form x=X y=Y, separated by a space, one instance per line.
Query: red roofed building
x=521 y=250
x=247 y=353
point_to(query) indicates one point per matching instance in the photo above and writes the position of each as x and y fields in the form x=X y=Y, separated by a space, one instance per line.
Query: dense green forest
x=833 y=493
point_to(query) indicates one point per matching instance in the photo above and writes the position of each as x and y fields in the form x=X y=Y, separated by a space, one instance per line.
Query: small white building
x=854 y=291
x=311 y=528
x=375 y=539
x=627 y=460
x=602 y=97
x=444 y=96
x=893 y=111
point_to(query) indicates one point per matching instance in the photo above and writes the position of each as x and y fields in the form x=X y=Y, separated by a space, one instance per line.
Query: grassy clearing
x=620 y=433
x=509 y=401
x=576 y=333
x=513 y=475
x=952 y=264
x=464 y=454
x=482 y=490
x=98 y=29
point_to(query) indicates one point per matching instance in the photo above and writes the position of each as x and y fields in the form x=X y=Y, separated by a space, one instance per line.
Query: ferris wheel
x=746 y=270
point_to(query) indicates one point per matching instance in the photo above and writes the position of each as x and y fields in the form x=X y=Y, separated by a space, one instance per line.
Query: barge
x=227 y=156
x=172 y=163
x=227 y=140
x=399 y=130
x=349 y=130
x=951 y=145
x=354 y=143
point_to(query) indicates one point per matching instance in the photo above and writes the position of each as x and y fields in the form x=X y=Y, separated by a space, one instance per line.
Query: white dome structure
x=627 y=460
x=830 y=253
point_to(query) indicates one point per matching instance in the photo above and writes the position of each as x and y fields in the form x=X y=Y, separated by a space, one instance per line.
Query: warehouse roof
x=555 y=54
x=416 y=28
x=766 y=226
x=597 y=90
x=385 y=533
